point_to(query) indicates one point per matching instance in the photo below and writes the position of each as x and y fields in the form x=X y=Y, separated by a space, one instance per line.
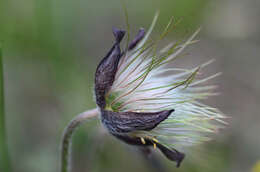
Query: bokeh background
x=51 y=50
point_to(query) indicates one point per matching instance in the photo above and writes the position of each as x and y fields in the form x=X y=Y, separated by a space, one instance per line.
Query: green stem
x=67 y=136
x=5 y=164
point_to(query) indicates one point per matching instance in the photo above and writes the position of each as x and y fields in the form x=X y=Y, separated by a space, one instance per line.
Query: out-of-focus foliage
x=51 y=49
x=4 y=156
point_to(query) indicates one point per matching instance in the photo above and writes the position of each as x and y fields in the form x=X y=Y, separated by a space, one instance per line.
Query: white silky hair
x=145 y=83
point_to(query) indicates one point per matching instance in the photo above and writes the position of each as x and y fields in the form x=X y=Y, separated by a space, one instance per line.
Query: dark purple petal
x=124 y=122
x=171 y=154
x=106 y=70
x=137 y=39
x=118 y=34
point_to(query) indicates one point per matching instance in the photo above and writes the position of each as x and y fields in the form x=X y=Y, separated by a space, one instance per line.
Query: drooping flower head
x=145 y=101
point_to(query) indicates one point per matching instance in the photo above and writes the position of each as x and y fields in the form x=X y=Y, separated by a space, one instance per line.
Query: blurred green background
x=51 y=50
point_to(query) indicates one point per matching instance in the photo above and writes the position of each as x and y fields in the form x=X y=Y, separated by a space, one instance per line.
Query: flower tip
x=137 y=38
x=182 y=156
x=118 y=34
x=141 y=32
x=162 y=115
x=170 y=111
x=172 y=154
x=167 y=113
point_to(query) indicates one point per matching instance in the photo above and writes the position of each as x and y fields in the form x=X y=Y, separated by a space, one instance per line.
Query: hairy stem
x=67 y=136
x=5 y=164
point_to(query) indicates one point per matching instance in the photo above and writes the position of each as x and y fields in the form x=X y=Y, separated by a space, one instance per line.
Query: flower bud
x=137 y=93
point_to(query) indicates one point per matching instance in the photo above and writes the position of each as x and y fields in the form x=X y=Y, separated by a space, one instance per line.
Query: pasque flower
x=144 y=101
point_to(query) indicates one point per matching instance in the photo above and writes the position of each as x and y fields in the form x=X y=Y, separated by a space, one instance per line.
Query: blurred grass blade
x=5 y=165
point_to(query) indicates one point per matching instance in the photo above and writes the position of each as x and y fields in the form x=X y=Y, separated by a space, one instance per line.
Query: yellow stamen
x=142 y=140
x=155 y=140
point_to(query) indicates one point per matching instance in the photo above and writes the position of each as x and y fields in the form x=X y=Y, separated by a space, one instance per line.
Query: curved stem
x=67 y=136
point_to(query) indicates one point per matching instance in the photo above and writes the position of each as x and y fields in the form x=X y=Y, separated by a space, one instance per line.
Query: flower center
x=111 y=104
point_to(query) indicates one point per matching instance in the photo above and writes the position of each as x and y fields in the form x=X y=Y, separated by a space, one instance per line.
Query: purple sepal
x=106 y=70
x=137 y=39
x=170 y=153
x=125 y=122
x=118 y=34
